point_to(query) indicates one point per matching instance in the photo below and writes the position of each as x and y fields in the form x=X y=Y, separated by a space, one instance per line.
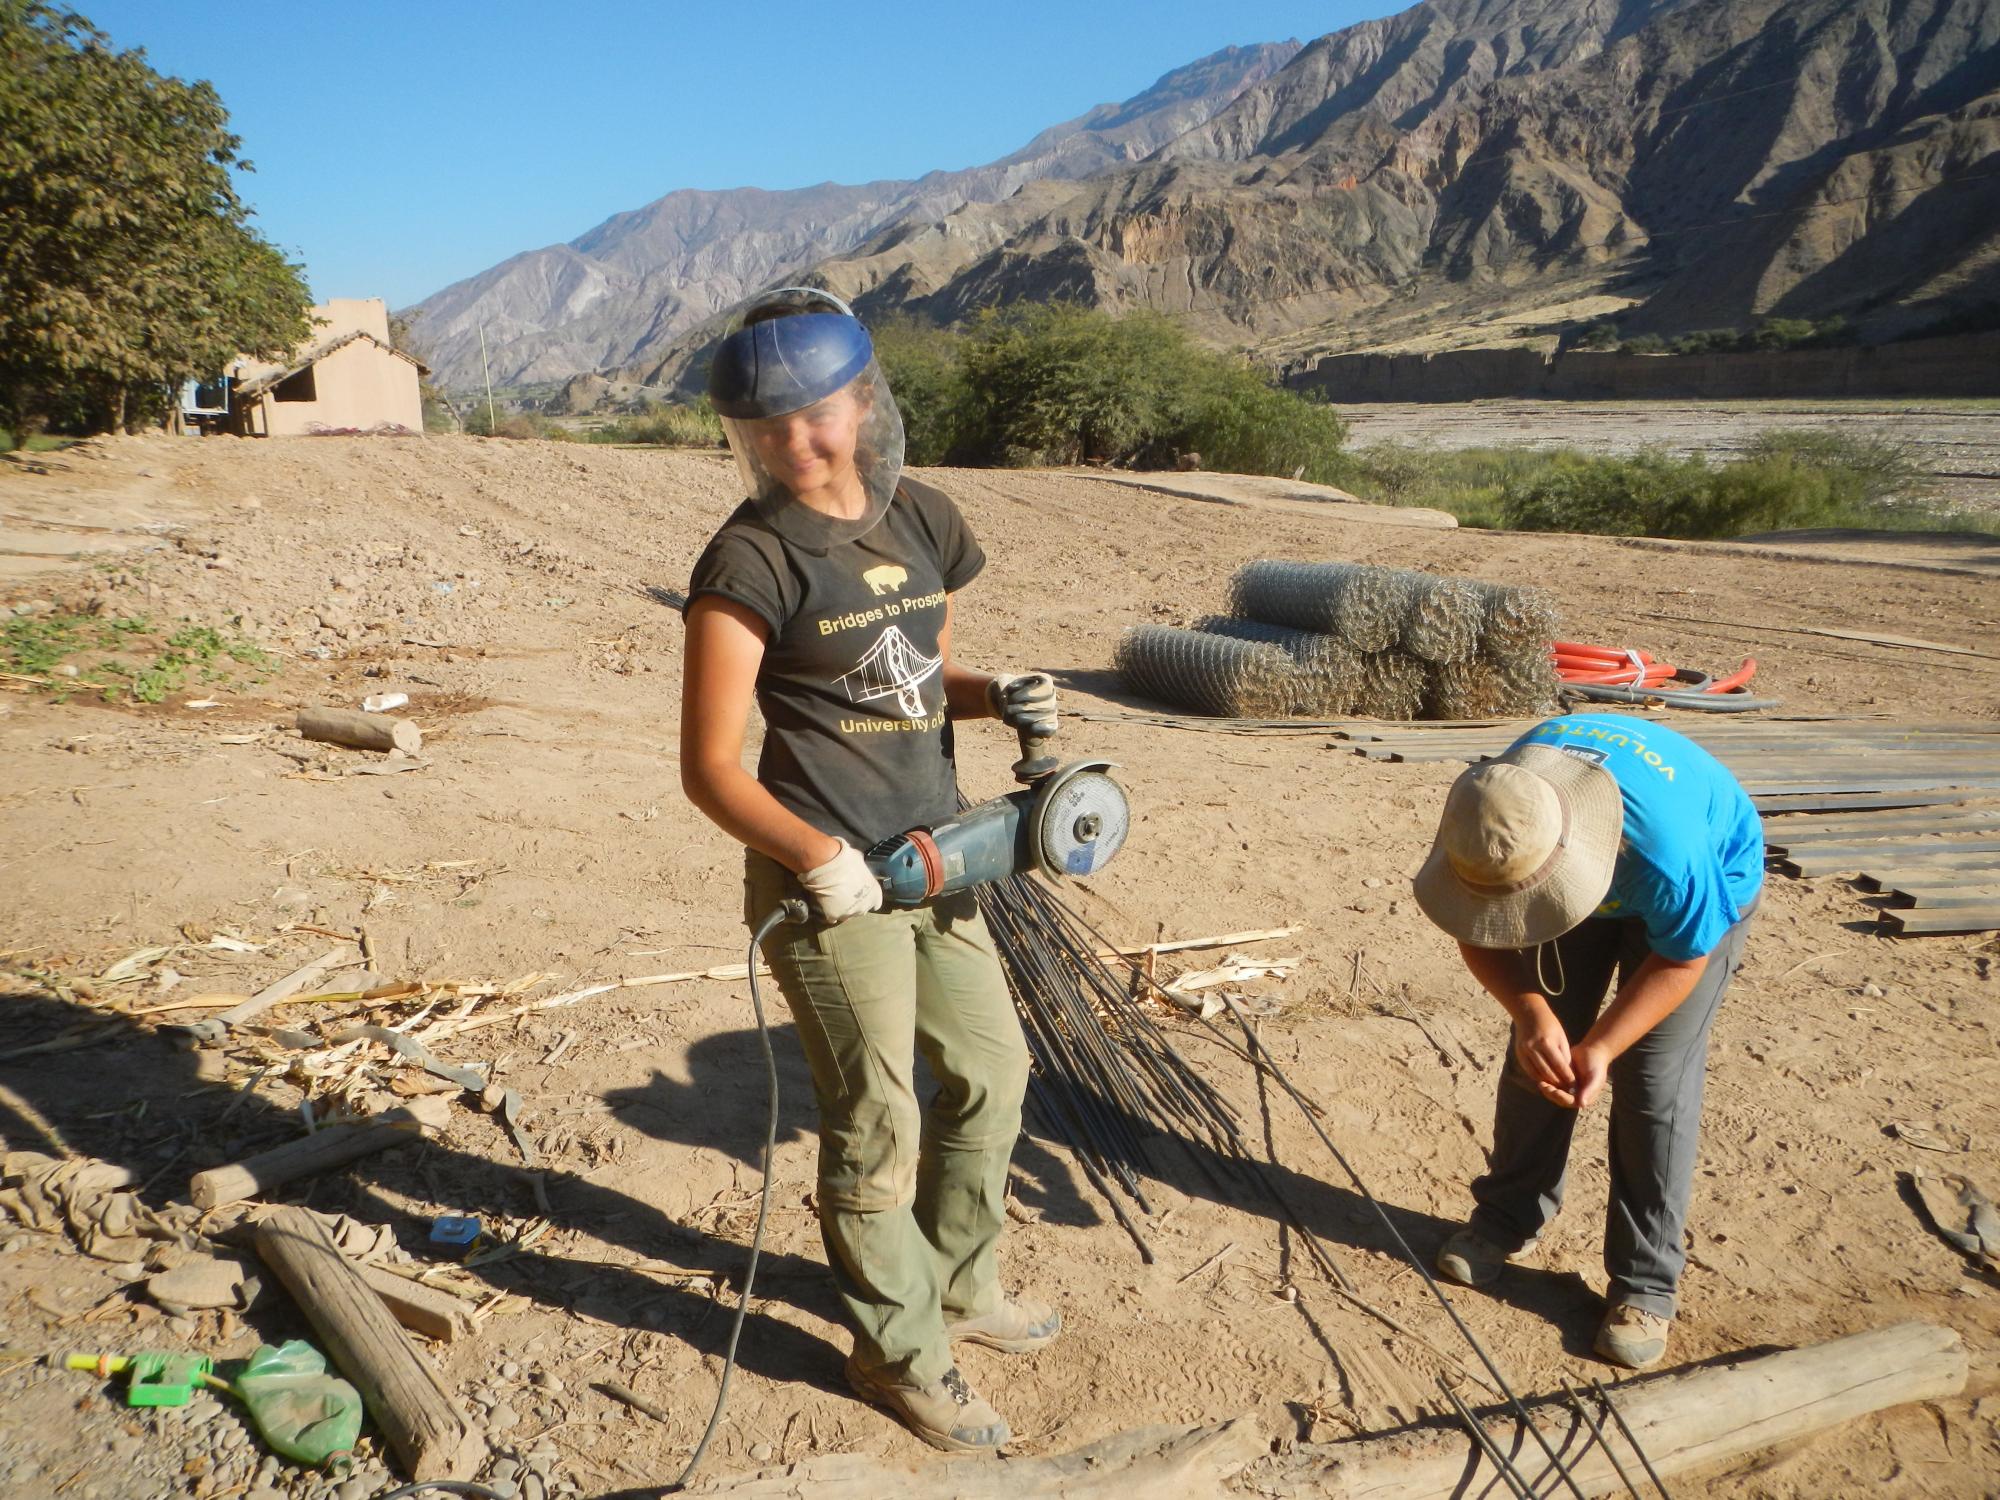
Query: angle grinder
x=1065 y=820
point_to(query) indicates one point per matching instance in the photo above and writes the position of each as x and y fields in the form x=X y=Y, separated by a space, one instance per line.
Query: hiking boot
x=1019 y=1325
x=1471 y=1259
x=1632 y=1337
x=947 y=1413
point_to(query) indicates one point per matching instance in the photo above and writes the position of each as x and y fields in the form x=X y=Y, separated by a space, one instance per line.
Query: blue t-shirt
x=1692 y=858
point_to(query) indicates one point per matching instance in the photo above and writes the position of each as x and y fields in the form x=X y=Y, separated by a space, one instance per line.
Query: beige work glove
x=1019 y=699
x=844 y=886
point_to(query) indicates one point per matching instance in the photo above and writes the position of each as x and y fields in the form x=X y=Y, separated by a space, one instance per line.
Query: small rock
x=1871 y=991
x=67 y=669
x=503 y=1469
x=760 y=1453
x=534 y=1487
x=502 y=1418
x=547 y=1382
x=505 y=1488
x=265 y=1492
x=199 y=1283
x=354 y=1489
x=510 y=1371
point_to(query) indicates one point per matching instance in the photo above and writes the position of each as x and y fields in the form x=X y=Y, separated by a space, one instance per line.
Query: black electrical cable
x=785 y=911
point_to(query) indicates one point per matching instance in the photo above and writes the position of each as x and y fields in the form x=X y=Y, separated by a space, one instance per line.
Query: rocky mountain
x=1472 y=170
x=620 y=294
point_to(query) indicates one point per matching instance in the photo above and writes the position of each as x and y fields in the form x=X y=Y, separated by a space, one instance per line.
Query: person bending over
x=1597 y=843
x=827 y=598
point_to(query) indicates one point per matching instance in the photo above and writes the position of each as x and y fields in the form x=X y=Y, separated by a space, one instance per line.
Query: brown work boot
x=1019 y=1325
x=947 y=1413
x=1632 y=1337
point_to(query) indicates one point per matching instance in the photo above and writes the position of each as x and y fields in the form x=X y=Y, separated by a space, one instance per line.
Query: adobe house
x=348 y=379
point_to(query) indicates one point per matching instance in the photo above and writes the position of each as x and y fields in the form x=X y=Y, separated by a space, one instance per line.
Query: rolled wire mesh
x=1211 y=674
x=1392 y=686
x=1462 y=690
x=1443 y=619
x=1524 y=684
x=1362 y=605
x=1518 y=620
x=1329 y=670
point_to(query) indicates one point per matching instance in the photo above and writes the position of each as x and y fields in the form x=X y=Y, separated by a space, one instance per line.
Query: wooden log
x=1188 y=1463
x=415 y=1413
x=333 y=1146
x=422 y=1309
x=1684 y=1421
x=359 y=731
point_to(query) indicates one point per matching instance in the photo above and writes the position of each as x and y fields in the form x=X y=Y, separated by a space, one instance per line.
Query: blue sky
x=401 y=146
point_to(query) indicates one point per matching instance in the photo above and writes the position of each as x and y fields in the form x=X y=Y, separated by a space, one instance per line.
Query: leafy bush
x=1647 y=494
x=921 y=364
x=1785 y=481
x=695 y=426
x=1059 y=384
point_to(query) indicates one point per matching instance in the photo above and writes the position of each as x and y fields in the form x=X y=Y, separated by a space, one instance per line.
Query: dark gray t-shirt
x=856 y=740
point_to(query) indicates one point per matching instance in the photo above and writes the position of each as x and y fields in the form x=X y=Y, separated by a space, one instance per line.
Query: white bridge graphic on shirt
x=892 y=667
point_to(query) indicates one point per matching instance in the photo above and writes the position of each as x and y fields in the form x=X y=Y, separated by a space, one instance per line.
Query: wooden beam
x=403 y=1393
x=1685 y=1421
x=331 y=1146
x=1690 y=1420
x=1933 y=919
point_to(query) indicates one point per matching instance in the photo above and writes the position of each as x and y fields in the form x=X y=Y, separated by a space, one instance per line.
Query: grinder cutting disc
x=1080 y=821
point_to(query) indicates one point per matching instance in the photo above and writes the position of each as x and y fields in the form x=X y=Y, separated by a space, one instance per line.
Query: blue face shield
x=815 y=431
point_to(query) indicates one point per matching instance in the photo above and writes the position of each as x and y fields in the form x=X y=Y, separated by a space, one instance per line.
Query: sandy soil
x=503 y=586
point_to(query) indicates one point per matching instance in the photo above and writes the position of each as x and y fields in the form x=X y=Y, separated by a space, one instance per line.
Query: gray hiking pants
x=1656 y=1091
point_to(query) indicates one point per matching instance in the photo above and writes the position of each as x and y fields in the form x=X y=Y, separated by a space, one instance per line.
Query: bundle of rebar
x=1210 y=674
x=1105 y=1076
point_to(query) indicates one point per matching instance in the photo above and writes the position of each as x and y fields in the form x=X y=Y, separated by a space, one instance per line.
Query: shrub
x=1647 y=494
x=1785 y=481
x=921 y=364
x=1054 y=384
x=694 y=426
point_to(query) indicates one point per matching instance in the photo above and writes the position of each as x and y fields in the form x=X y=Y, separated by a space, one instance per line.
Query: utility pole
x=492 y=422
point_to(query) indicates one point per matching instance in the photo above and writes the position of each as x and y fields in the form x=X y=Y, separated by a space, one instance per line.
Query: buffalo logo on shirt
x=888 y=578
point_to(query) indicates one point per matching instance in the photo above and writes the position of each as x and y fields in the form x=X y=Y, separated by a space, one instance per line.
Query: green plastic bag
x=304 y=1413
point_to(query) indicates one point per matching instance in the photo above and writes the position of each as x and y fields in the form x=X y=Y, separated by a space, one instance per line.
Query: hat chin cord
x=1562 y=980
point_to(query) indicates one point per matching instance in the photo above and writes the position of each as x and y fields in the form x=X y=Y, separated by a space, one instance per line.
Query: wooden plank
x=1832 y=859
x=1779 y=838
x=1863 y=824
x=1773 y=803
x=403 y=1393
x=1933 y=919
x=1899 y=877
x=1855 y=785
x=1911 y=643
x=1918 y=892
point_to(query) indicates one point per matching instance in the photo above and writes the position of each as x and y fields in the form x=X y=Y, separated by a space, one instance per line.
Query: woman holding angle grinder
x=827 y=597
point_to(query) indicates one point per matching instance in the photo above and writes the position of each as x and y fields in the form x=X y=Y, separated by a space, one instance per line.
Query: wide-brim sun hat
x=1525 y=848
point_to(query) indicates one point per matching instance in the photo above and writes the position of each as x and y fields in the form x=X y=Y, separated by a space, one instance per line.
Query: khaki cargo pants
x=911 y=1199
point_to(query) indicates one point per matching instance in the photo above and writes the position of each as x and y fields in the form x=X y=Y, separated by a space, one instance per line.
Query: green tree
x=127 y=261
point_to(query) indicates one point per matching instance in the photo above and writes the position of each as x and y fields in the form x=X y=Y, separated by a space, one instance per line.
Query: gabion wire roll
x=1463 y=690
x=1210 y=674
x=1393 y=685
x=1362 y=605
x=1524 y=685
x=1329 y=670
x=1519 y=621
x=1443 y=620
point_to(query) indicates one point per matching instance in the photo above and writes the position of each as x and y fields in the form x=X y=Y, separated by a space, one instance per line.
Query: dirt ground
x=504 y=587
x=1958 y=442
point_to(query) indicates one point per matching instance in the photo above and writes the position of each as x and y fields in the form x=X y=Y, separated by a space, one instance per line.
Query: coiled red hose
x=1615 y=674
